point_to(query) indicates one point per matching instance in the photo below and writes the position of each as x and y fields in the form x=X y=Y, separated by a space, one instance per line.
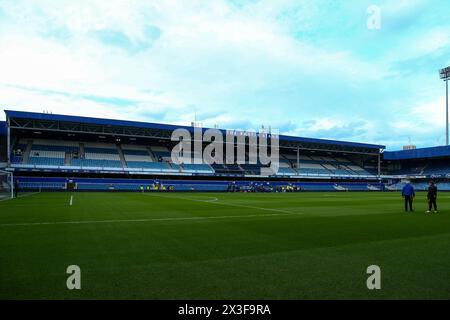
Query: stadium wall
x=108 y=184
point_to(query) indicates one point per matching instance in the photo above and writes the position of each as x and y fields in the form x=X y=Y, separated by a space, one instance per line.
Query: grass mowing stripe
x=220 y=251
x=21 y=196
x=146 y=220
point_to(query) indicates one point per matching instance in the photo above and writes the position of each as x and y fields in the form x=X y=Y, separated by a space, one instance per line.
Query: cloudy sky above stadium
x=308 y=68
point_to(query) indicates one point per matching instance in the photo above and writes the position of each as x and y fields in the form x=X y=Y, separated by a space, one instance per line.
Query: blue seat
x=101 y=150
x=43 y=161
x=197 y=167
x=148 y=165
x=96 y=163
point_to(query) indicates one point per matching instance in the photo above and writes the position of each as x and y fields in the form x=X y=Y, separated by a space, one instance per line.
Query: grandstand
x=98 y=156
x=73 y=147
x=430 y=162
x=90 y=148
x=102 y=149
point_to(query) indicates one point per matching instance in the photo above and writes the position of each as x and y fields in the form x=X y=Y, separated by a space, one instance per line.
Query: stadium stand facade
x=424 y=163
x=45 y=151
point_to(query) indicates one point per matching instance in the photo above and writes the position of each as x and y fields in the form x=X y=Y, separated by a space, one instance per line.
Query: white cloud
x=432 y=40
x=196 y=61
x=209 y=56
x=31 y=101
x=431 y=113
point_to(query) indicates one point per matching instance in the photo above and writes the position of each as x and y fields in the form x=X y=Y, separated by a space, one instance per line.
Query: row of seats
x=197 y=168
x=424 y=168
x=322 y=165
x=97 y=163
x=104 y=151
x=135 y=152
x=41 y=147
x=158 y=158
x=44 y=161
x=48 y=154
x=101 y=156
x=148 y=165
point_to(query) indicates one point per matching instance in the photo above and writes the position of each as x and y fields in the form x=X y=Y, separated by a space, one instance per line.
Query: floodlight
x=445 y=75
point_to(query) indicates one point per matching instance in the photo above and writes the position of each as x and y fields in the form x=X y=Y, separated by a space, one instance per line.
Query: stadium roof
x=432 y=152
x=11 y=114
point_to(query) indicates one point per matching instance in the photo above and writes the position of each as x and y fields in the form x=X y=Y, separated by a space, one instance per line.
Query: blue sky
x=307 y=68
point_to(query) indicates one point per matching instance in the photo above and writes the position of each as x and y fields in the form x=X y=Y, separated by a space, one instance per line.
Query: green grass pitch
x=223 y=246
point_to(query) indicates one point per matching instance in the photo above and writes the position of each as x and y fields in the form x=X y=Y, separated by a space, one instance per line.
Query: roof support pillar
x=379 y=164
x=8 y=142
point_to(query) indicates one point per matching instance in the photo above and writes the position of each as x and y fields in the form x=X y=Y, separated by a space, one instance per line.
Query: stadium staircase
x=327 y=168
x=152 y=155
x=424 y=168
x=121 y=156
x=26 y=154
x=81 y=156
x=353 y=172
x=292 y=165
x=68 y=159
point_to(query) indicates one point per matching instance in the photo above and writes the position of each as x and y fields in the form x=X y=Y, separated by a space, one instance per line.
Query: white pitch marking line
x=147 y=220
x=28 y=194
x=21 y=196
x=209 y=199
x=71 y=200
x=226 y=204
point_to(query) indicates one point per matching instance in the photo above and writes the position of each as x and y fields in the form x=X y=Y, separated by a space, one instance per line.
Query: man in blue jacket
x=408 y=194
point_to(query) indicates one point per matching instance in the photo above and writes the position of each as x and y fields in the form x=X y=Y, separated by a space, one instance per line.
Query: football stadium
x=226 y=158
x=105 y=195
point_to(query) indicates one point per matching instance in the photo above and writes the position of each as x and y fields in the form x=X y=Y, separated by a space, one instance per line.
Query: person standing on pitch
x=16 y=188
x=432 y=196
x=408 y=194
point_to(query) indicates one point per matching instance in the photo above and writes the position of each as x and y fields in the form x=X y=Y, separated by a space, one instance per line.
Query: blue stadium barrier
x=39 y=147
x=105 y=184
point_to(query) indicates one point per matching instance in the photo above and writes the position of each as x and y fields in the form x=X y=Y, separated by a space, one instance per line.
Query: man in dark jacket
x=16 y=188
x=408 y=194
x=432 y=196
